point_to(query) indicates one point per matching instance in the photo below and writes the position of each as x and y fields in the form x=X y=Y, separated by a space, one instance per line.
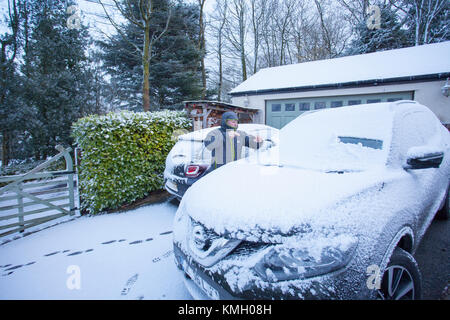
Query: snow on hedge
x=123 y=155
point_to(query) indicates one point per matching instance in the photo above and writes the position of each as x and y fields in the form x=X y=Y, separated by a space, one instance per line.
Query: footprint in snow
x=51 y=254
x=130 y=282
x=15 y=267
x=109 y=242
x=75 y=253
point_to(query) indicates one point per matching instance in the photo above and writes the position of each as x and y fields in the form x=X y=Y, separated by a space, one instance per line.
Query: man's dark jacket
x=225 y=149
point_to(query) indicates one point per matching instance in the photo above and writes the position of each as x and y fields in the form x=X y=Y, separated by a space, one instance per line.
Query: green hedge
x=123 y=155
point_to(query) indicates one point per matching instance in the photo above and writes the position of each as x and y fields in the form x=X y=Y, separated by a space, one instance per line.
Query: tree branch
x=117 y=27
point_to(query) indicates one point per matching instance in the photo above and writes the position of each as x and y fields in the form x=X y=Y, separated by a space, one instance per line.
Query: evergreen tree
x=10 y=111
x=175 y=66
x=389 y=36
x=59 y=79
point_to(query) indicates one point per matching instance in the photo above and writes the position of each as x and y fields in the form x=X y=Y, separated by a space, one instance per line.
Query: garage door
x=281 y=112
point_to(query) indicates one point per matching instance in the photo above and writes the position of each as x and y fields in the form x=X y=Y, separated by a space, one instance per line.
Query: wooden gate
x=43 y=196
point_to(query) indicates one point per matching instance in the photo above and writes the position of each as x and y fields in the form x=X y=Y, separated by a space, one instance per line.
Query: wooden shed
x=206 y=114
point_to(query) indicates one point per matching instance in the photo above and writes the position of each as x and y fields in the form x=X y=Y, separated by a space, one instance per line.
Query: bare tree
x=324 y=27
x=333 y=29
x=236 y=31
x=140 y=13
x=284 y=32
x=268 y=33
x=423 y=13
x=219 y=19
x=258 y=12
x=302 y=26
x=301 y=30
x=202 y=45
x=283 y=26
x=357 y=10
x=271 y=41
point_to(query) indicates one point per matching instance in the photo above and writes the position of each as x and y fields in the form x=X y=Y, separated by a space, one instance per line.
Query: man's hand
x=258 y=139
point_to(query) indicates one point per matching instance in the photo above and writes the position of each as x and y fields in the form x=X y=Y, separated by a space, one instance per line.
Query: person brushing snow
x=226 y=142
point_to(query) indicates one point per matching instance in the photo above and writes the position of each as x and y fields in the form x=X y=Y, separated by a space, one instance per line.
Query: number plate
x=172 y=185
x=209 y=290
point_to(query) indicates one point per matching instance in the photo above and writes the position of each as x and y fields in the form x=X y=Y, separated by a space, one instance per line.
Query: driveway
x=129 y=255
x=433 y=257
x=124 y=255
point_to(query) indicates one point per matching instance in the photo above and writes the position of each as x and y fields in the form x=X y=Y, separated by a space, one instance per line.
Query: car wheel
x=401 y=279
x=444 y=212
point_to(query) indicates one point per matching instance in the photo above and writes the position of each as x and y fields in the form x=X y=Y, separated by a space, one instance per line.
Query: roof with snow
x=426 y=62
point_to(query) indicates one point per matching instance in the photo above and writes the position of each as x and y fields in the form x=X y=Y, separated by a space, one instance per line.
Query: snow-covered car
x=336 y=211
x=189 y=160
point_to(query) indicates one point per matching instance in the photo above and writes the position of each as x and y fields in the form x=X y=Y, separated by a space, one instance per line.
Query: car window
x=203 y=156
x=369 y=143
x=185 y=148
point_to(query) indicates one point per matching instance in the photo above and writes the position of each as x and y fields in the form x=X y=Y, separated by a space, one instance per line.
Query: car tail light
x=193 y=171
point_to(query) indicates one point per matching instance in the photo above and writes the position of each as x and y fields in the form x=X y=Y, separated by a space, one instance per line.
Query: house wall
x=426 y=93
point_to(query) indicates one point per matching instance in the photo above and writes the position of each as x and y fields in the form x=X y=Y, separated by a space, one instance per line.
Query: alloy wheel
x=397 y=284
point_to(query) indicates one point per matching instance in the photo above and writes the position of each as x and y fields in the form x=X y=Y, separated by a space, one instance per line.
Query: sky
x=89 y=12
x=3 y=11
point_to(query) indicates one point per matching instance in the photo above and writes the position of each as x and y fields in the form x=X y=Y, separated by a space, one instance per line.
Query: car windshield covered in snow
x=355 y=141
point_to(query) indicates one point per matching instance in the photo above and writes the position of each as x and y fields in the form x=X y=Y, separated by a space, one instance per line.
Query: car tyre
x=444 y=212
x=402 y=279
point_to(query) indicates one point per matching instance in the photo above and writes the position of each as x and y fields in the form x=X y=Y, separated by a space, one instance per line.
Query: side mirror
x=423 y=158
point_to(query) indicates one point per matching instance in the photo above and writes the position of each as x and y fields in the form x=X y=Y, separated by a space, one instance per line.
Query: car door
x=416 y=128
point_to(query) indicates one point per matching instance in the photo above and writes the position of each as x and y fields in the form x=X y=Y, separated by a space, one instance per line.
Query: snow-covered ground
x=125 y=255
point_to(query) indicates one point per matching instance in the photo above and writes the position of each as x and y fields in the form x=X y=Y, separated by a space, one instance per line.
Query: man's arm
x=254 y=142
x=214 y=143
x=209 y=141
x=212 y=140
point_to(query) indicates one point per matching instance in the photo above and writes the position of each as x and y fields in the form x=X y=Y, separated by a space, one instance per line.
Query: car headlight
x=206 y=246
x=283 y=263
